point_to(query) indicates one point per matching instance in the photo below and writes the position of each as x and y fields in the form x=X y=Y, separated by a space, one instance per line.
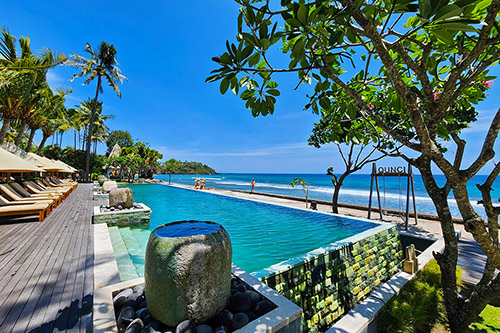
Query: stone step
x=135 y=251
x=126 y=268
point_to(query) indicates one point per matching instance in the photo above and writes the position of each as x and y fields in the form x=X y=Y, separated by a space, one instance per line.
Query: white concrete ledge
x=105 y=267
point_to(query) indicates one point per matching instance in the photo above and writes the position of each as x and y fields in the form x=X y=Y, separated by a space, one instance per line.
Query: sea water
x=356 y=188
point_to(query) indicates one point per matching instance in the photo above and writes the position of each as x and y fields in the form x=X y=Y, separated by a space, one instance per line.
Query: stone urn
x=187 y=272
x=122 y=196
x=101 y=179
x=108 y=185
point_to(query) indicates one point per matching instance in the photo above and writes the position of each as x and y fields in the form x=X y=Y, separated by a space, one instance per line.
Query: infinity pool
x=261 y=234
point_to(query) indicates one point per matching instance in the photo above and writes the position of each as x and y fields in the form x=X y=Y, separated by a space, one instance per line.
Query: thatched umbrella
x=12 y=163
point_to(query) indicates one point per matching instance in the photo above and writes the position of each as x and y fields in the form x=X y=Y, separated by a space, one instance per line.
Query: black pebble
x=130 y=303
x=141 y=313
x=251 y=316
x=225 y=318
x=148 y=329
x=263 y=307
x=186 y=326
x=143 y=304
x=139 y=289
x=239 y=320
x=254 y=296
x=204 y=329
x=135 y=327
x=241 y=287
x=221 y=329
x=240 y=302
x=125 y=317
x=234 y=282
x=147 y=319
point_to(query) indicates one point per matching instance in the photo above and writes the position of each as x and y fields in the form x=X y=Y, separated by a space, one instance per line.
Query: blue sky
x=165 y=50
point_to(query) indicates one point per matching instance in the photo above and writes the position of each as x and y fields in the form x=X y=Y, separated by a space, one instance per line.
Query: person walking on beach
x=253 y=185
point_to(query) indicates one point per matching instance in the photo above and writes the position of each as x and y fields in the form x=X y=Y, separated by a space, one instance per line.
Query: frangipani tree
x=414 y=68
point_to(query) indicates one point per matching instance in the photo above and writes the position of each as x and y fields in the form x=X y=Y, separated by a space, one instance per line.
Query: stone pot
x=187 y=271
x=108 y=185
x=122 y=196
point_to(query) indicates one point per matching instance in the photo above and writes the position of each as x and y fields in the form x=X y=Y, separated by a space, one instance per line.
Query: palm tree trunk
x=30 y=140
x=45 y=137
x=74 y=138
x=20 y=134
x=60 y=141
x=5 y=128
x=89 y=134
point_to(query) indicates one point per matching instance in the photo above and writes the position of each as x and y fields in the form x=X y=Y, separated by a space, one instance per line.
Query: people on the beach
x=253 y=184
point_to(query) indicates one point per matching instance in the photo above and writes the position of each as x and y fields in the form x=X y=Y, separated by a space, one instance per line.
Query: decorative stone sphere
x=108 y=185
x=101 y=179
x=187 y=272
x=122 y=196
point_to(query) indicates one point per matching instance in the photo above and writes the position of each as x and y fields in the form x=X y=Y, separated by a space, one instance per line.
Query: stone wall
x=329 y=284
x=122 y=218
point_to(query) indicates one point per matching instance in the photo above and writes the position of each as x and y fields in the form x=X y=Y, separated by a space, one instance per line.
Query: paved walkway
x=46 y=269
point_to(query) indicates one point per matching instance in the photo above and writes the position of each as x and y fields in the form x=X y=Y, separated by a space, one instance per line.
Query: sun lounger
x=48 y=187
x=15 y=197
x=28 y=208
x=35 y=189
x=25 y=194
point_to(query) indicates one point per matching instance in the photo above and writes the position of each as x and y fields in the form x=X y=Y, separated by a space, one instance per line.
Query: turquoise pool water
x=261 y=234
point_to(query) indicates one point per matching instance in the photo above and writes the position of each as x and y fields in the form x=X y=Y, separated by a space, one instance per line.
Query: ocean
x=356 y=188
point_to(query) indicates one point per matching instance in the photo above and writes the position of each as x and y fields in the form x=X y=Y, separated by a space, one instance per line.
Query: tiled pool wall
x=329 y=284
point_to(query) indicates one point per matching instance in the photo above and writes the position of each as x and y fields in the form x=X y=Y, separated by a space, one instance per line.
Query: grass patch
x=488 y=321
x=419 y=307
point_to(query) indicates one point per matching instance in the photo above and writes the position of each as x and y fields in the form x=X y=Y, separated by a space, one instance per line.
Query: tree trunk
x=74 y=138
x=169 y=177
x=60 y=139
x=30 y=140
x=336 y=192
x=448 y=260
x=20 y=134
x=42 y=143
x=5 y=128
x=89 y=134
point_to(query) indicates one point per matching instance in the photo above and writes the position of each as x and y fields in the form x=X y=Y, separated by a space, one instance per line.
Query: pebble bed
x=244 y=306
x=106 y=209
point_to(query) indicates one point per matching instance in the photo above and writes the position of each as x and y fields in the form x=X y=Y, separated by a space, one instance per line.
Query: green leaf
x=265 y=43
x=324 y=102
x=443 y=35
x=226 y=59
x=254 y=59
x=274 y=92
x=302 y=13
x=294 y=22
x=298 y=48
x=224 y=85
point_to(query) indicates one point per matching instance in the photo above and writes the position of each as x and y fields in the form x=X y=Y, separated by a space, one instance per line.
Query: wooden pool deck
x=46 y=268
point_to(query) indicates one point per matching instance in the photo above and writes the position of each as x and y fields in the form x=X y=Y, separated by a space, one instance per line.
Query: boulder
x=121 y=197
x=101 y=179
x=187 y=271
x=108 y=185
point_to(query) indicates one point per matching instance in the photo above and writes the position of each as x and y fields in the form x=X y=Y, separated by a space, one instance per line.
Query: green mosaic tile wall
x=330 y=284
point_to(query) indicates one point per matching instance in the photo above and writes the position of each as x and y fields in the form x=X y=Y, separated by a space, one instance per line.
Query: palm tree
x=102 y=64
x=54 y=116
x=22 y=76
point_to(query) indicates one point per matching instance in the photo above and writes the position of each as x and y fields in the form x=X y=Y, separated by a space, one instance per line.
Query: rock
x=263 y=307
x=125 y=317
x=239 y=320
x=108 y=185
x=112 y=209
x=122 y=297
x=221 y=329
x=190 y=276
x=251 y=316
x=142 y=313
x=148 y=329
x=186 y=326
x=135 y=326
x=147 y=319
x=254 y=296
x=101 y=179
x=143 y=304
x=240 y=302
x=121 y=197
x=139 y=289
x=234 y=282
x=241 y=287
x=119 y=206
x=225 y=318
x=204 y=329
x=130 y=303
x=138 y=301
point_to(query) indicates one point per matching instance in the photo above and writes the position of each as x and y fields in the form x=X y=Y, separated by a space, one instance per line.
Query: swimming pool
x=262 y=234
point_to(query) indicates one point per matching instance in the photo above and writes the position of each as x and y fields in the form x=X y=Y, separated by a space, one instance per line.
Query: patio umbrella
x=48 y=165
x=63 y=166
x=12 y=163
